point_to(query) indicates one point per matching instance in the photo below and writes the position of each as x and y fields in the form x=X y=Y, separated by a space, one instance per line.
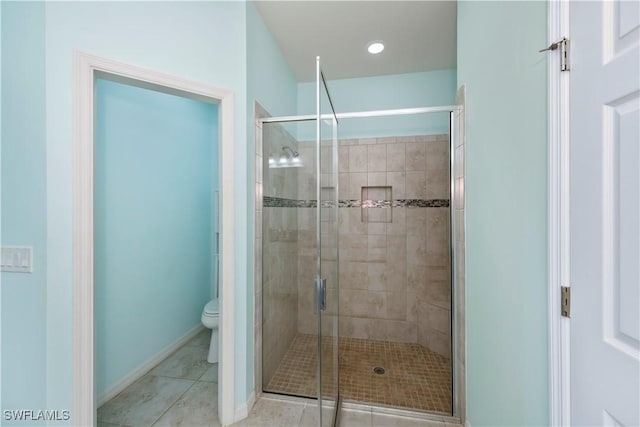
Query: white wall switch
x=17 y=259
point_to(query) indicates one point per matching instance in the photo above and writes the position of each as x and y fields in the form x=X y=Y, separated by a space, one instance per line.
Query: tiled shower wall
x=394 y=264
x=279 y=232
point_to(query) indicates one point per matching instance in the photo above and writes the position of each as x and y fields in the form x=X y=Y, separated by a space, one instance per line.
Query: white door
x=605 y=212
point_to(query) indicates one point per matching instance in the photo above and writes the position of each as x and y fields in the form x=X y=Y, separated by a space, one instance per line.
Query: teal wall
x=426 y=89
x=270 y=82
x=23 y=205
x=269 y=78
x=506 y=204
x=201 y=41
x=224 y=44
x=1 y=7
x=156 y=168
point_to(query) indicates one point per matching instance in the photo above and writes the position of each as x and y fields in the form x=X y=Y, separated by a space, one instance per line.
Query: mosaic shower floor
x=414 y=377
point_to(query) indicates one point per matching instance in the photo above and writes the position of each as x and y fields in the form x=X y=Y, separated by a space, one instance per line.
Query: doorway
x=88 y=68
x=594 y=211
x=156 y=173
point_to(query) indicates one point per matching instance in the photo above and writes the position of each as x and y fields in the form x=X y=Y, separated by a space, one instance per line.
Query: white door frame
x=558 y=218
x=86 y=68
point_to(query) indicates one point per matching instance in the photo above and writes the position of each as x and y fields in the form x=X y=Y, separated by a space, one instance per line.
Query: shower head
x=293 y=152
x=289 y=158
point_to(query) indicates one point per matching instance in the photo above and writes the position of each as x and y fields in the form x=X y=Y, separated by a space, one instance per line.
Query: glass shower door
x=327 y=257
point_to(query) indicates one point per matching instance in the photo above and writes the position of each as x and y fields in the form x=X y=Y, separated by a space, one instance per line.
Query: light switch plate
x=17 y=259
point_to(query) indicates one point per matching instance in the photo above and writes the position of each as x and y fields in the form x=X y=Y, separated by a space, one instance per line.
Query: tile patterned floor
x=181 y=391
x=297 y=373
x=414 y=378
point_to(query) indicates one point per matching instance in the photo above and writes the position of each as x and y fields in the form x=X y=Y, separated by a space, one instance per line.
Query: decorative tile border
x=280 y=202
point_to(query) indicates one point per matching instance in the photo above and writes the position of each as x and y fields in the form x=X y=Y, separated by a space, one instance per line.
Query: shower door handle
x=321 y=293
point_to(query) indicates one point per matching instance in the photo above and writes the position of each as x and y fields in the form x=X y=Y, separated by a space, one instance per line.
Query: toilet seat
x=211 y=314
x=212 y=308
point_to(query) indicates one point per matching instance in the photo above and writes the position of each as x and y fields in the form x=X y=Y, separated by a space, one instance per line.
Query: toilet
x=210 y=319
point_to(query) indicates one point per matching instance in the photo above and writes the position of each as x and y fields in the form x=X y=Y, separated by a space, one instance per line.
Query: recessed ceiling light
x=375 y=47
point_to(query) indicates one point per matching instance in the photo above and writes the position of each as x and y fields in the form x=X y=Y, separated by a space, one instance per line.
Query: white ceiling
x=418 y=36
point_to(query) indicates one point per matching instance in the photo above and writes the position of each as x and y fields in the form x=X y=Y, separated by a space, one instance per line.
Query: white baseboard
x=243 y=410
x=467 y=423
x=145 y=367
x=251 y=402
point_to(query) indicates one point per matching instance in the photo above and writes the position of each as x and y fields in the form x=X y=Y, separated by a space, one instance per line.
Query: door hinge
x=564 y=52
x=565 y=301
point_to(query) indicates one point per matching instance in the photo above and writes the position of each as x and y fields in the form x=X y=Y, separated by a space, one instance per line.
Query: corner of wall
x=460 y=254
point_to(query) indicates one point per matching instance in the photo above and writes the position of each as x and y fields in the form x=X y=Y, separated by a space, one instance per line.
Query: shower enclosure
x=355 y=267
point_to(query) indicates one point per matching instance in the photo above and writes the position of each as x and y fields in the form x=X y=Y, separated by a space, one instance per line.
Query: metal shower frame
x=454 y=126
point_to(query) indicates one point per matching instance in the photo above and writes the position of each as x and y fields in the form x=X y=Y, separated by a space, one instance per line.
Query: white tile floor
x=183 y=391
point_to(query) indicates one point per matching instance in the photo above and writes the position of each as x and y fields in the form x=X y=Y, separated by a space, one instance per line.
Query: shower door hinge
x=563 y=44
x=565 y=301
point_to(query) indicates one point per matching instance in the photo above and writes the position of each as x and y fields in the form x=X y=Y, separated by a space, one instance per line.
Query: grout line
x=150 y=374
x=177 y=378
x=174 y=402
x=207 y=370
